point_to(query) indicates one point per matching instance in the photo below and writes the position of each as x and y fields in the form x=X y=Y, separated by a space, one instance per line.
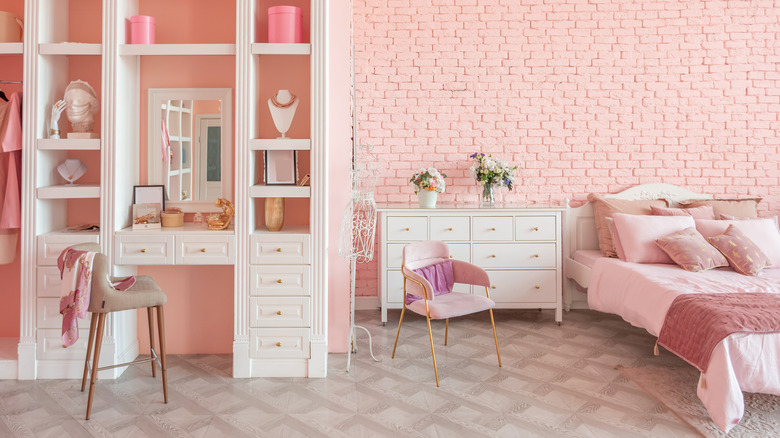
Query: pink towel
x=439 y=275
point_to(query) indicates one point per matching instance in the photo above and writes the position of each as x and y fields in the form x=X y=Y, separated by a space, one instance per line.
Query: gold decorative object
x=145 y=219
x=220 y=221
x=274 y=213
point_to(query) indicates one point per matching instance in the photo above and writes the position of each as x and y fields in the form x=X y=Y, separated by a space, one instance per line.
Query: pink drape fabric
x=76 y=273
x=10 y=176
x=440 y=276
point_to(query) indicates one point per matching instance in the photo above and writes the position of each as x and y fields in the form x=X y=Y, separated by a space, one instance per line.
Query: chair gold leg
x=433 y=353
x=150 y=318
x=495 y=336
x=90 y=342
x=163 y=366
x=400 y=321
x=95 y=362
x=446 y=329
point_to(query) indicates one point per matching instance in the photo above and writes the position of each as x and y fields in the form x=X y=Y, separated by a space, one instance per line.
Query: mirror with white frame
x=190 y=147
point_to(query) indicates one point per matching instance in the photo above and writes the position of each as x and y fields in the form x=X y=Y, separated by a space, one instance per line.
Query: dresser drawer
x=49 y=344
x=279 y=312
x=535 y=228
x=49 y=281
x=144 y=249
x=205 y=250
x=407 y=229
x=280 y=249
x=51 y=245
x=514 y=255
x=279 y=343
x=496 y=228
x=394 y=256
x=279 y=280
x=522 y=286
x=48 y=314
x=449 y=228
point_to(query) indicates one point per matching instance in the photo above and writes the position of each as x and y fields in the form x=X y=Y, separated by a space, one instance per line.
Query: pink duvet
x=642 y=293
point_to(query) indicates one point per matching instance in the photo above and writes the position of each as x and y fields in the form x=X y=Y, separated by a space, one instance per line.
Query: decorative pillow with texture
x=743 y=255
x=637 y=235
x=703 y=212
x=734 y=207
x=615 y=239
x=607 y=207
x=728 y=217
x=691 y=251
x=763 y=232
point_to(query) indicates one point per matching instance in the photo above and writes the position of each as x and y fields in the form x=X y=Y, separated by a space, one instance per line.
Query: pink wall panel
x=582 y=96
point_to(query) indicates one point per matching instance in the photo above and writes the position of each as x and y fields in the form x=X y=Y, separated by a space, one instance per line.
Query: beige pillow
x=743 y=208
x=606 y=207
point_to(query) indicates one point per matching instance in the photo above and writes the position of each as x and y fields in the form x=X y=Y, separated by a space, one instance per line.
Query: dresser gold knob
x=278 y=249
x=537 y=287
x=536 y=228
x=536 y=256
x=278 y=344
x=406 y=229
x=492 y=255
x=143 y=249
x=279 y=312
x=450 y=228
x=493 y=229
x=492 y=287
x=279 y=281
x=450 y=255
x=203 y=250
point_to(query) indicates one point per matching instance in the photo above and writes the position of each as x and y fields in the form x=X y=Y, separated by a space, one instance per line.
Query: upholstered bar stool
x=105 y=299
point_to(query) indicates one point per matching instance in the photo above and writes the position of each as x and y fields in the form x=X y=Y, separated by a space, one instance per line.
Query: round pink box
x=141 y=29
x=285 y=24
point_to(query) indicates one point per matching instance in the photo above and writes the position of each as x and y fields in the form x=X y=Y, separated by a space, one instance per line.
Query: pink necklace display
x=276 y=103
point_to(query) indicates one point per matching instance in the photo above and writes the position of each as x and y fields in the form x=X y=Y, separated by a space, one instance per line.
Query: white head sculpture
x=82 y=104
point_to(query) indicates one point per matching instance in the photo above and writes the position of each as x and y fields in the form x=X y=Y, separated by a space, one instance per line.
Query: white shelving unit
x=281 y=49
x=279 y=144
x=11 y=48
x=176 y=49
x=70 y=49
x=68 y=144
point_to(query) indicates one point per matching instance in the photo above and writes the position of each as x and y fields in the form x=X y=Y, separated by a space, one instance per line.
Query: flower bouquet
x=491 y=173
x=428 y=183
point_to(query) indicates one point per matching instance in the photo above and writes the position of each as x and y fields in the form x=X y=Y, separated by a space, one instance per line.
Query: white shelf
x=292 y=229
x=68 y=144
x=264 y=191
x=11 y=48
x=279 y=144
x=63 y=191
x=177 y=49
x=187 y=228
x=8 y=358
x=281 y=49
x=70 y=49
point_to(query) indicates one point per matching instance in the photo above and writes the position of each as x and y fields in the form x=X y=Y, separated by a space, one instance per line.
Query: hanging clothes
x=10 y=176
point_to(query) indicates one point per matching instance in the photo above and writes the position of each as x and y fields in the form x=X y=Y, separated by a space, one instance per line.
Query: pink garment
x=439 y=275
x=11 y=164
x=76 y=273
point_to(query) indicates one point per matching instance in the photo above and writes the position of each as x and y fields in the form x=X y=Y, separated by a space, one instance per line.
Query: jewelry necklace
x=276 y=103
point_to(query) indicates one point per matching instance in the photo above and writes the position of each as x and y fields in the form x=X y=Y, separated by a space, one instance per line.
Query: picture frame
x=151 y=216
x=154 y=194
x=281 y=167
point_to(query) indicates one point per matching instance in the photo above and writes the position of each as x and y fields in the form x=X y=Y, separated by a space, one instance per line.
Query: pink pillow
x=616 y=246
x=638 y=233
x=691 y=251
x=703 y=212
x=763 y=232
x=743 y=255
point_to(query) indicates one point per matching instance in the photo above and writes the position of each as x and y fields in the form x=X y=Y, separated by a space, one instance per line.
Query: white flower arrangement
x=428 y=179
x=492 y=171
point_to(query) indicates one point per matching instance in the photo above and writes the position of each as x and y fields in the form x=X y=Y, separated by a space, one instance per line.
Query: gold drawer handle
x=279 y=281
x=278 y=344
x=406 y=229
x=203 y=250
x=493 y=229
x=536 y=228
x=536 y=256
x=492 y=287
x=449 y=229
x=278 y=249
x=492 y=255
x=450 y=255
x=537 y=287
x=279 y=312
x=143 y=249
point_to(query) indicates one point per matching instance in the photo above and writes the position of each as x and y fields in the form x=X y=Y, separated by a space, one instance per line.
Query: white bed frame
x=579 y=233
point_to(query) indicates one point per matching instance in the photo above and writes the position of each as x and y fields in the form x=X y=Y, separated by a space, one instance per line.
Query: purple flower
x=506 y=181
x=473 y=155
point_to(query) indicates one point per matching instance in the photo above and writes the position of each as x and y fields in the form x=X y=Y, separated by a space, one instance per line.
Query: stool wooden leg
x=151 y=338
x=98 y=344
x=163 y=366
x=90 y=341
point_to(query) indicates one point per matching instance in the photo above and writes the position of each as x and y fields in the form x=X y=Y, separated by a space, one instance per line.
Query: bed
x=642 y=293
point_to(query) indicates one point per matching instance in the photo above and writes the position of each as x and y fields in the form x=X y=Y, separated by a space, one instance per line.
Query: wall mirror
x=190 y=145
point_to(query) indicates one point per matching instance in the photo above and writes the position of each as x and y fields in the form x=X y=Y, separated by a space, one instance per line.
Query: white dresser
x=518 y=246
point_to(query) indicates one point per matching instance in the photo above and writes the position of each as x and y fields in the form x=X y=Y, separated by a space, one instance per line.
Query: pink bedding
x=642 y=293
x=587 y=256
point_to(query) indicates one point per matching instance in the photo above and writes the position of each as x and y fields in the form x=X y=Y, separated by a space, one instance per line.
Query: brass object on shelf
x=220 y=221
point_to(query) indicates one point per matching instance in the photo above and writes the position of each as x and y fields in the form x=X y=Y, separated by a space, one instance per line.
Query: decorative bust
x=71 y=170
x=282 y=106
x=82 y=103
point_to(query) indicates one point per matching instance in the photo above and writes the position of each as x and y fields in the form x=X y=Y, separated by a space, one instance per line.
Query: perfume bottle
x=198 y=219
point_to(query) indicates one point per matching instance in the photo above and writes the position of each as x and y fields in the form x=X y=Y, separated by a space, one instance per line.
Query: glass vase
x=488 y=198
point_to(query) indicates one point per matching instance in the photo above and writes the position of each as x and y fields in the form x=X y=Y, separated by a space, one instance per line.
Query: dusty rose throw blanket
x=696 y=323
x=439 y=275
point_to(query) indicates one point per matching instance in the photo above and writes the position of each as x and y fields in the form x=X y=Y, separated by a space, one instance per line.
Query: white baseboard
x=366 y=303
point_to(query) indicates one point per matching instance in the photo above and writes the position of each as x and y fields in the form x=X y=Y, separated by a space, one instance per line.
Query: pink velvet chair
x=437 y=301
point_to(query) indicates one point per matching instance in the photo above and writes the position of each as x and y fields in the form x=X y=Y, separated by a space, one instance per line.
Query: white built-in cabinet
x=280 y=279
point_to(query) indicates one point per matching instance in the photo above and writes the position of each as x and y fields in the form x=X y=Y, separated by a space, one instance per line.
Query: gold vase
x=274 y=213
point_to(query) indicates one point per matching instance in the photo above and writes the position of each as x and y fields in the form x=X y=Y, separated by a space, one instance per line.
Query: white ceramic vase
x=427 y=198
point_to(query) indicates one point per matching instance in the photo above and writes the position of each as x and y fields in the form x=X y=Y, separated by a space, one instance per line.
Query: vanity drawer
x=492 y=228
x=49 y=282
x=515 y=255
x=50 y=246
x=279 y=311
x=49 y=345
x=535 y=228
x=279 y=343
x=205 y=250
x=395 y=251
x=449 y=228
x=48 y=314
x=144 y=249
x=523 y=286
x=280 y=249
x=407 y=229
x=280 y=280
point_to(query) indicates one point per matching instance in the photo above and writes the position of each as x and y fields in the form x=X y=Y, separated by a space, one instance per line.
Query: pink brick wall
x=584 y=96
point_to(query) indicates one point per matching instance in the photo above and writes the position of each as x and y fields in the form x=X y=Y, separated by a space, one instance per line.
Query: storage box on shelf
x=520 y=248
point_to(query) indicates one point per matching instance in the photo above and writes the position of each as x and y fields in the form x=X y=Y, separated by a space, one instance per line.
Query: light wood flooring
x=555 y=382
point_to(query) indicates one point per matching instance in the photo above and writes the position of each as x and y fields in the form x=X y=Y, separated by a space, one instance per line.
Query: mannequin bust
x=82 y=103
x=283 y=106
x=71 y=170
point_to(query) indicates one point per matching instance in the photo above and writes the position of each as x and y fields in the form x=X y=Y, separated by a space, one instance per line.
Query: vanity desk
x=519 y=245
x=186 y=245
